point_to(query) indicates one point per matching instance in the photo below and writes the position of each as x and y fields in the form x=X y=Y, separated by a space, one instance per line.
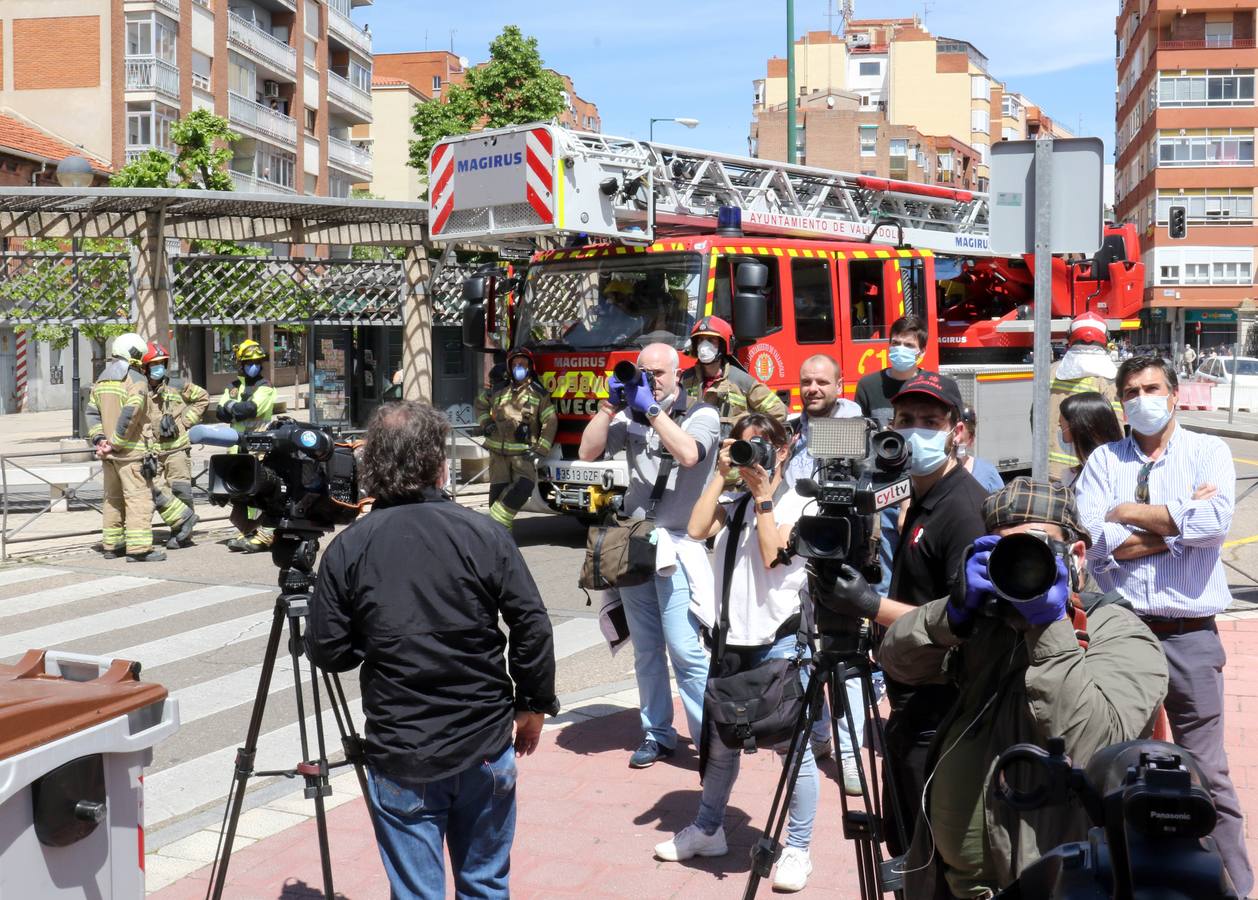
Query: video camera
x=296 y=474
x=1152 y=817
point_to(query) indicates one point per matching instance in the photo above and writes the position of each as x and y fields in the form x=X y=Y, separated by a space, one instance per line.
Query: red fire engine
x=647 y=238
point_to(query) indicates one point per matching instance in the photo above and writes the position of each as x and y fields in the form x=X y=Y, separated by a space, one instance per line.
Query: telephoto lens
x=1022 y=567
x=625 y=372
x=755 y=451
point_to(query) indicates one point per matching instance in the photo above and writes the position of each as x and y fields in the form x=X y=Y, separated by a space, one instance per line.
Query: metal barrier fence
x=456 y=453
x=69 y=484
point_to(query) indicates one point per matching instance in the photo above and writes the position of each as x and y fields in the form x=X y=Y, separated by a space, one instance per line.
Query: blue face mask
x=253 y=370
x=157 y=373
x=930 y=449
x=902 y=358
x=520 y=373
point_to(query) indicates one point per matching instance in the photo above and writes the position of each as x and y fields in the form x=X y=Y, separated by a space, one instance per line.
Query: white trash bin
x=75 y=735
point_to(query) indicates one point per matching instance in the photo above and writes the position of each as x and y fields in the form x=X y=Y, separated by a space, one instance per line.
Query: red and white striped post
x=19 y=388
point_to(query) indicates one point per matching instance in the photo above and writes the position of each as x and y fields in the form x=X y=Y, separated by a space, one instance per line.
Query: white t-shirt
x=760 y=599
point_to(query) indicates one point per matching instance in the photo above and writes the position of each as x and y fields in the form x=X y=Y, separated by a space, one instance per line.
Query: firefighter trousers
x=172 y=510
x=113 y=509
x=178 y=468
x=511 y=483
x=137 y=500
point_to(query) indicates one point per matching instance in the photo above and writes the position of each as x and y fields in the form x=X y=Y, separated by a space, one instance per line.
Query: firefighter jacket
x=117 y=409
x=518 y=420
x=1059 y=461
x=251 y=405
x=184 y=405
x=734 y=394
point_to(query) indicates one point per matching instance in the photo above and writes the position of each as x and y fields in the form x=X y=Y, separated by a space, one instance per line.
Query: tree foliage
x=202 y=152
x=512 y=88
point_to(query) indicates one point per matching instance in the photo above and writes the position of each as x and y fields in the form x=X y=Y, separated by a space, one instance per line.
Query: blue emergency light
x=729 y=221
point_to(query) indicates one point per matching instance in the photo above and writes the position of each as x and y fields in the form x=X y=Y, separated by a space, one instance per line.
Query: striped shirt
x=1188 y=580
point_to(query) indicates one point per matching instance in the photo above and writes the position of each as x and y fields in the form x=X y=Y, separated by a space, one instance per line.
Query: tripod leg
x=246 y=754
x=351 y=740
x=765 y=850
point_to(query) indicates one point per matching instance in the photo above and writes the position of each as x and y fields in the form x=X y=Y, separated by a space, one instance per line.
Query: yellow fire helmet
x=249 y=351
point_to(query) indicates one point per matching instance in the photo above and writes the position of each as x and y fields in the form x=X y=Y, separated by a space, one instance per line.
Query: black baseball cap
x=941 y=388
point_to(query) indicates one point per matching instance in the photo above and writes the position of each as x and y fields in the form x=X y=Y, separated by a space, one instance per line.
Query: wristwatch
x=764 y=506
x=653 y=410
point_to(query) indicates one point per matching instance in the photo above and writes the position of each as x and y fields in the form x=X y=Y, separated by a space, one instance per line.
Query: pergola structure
x=147 y=285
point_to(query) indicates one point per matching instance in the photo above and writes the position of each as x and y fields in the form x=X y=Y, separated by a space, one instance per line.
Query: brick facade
x=61 y=52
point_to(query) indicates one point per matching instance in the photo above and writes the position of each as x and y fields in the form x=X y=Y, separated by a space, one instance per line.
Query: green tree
x=202 y=152
x=512 y=88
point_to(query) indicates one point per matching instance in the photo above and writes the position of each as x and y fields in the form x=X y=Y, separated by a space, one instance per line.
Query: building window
x=148 y=125
x=1214 y=87
x=869 y=140
x=1196 y=273
x=276 y=166
x=978 y=88
x=865 y=288
x=1218 y=34
x=312 y=19
x=1010 y=108
x=360 y=75
x=242 y=78
x=436 y=85
x=1231 y=273
x=1208 y=207
x=1168 y=274
x=814 y=303
x=1009 y=134
x=982 y=152
x=201 y=65
x=979 y=120
x=899 y=158
x=311 y=120
x=1221 y=148
x=870 y=69
x=152 y=35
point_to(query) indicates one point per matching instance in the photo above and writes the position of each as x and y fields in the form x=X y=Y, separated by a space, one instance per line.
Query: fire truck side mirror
x=474 y=289
x=474 y=326
x=751 y=310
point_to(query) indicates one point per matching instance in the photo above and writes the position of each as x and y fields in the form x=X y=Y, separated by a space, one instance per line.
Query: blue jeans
x=660 y=622
x=472 y=812
x=723 y=764
x=890 y=536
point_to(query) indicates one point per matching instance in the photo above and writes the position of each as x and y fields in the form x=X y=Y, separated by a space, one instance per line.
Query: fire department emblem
x=765 y=362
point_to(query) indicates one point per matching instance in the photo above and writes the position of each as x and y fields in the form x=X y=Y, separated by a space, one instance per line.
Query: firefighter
x=519 y=424
x=1087 y=366
x=719 y=381
x=116 y=415
x=170 y=416
x=246 y=405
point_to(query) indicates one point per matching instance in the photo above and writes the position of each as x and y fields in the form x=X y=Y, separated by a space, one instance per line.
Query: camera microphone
x=219 y=435
x=806 y=487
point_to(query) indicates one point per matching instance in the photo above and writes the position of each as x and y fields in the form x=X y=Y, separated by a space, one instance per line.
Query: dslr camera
x=628 y=373
x=1151 y=814
x=756 y=451
x=296 y=474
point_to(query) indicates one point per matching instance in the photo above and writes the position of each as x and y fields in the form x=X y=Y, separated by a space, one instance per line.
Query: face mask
x=902 y=358
x=157 y=373
x=1066 y=446
x=961 y=451
x=520 y=373
x=707 y=352
x=930 y=449
x=253 y=370
x=1147 y=414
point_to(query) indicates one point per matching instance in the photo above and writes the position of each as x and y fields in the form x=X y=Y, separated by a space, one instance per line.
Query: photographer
x=669 y=441
x=413 y=592
x=1025 y=671
x=764 y=623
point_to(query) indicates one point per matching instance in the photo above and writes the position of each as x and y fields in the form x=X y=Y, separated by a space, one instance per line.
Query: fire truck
x=630 y=242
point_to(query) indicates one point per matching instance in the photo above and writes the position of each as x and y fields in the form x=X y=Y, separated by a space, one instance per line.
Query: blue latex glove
x=617 y=393
x=974 y=587
x=1051 y=606
x=642 y=398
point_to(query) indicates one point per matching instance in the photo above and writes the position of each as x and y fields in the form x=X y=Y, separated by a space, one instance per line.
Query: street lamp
x=689 y=123
x=75 y=172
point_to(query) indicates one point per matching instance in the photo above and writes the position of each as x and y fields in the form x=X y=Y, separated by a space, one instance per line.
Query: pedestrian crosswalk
x=205 y=643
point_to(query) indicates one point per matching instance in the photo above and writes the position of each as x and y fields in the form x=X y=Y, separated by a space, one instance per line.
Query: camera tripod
x=294 y=552
x=842 y=656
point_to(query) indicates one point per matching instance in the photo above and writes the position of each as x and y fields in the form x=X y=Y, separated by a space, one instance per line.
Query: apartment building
x=403 y=80
x=293 y=77
x=1185 y=119
x=926 y=106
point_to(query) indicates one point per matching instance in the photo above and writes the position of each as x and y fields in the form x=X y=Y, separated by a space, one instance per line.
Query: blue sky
x=698 y=58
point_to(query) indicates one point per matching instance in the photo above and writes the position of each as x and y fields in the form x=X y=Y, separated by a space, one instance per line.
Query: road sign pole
x=1043 y=307
x=1236 y=351
x=792 y=153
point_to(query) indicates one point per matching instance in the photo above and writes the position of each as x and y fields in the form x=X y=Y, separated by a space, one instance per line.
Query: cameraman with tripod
x=757 y=617
x=1026 y=670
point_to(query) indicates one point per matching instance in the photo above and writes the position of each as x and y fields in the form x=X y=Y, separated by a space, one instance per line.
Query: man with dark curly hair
x=413 y=592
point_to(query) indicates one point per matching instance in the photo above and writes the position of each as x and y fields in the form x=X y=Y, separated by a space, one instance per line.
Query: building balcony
x=261 y=120
x=148 y=73
x=251 y=184
x=135 y=151
x=341 y=26
x=1210 y=44
x=349 y=157
x=169 y=8
x=350 y=97
x=260 y=45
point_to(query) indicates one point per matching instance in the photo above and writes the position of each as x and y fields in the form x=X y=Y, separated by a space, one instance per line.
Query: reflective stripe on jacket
x=523 y=420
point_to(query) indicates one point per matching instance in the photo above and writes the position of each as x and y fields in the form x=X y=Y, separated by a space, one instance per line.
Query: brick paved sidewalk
x=587 y=823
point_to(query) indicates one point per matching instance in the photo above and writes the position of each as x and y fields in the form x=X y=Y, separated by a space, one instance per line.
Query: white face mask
x=707 y=352
x=1066 y=446
x=1148 y=413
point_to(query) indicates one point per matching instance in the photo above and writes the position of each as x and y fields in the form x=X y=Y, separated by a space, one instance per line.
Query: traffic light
x=1179 y=222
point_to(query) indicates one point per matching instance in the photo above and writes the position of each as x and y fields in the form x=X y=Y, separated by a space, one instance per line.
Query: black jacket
x=413 y=592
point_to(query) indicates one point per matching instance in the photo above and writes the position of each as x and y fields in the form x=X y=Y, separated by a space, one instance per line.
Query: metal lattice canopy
x=208 y=215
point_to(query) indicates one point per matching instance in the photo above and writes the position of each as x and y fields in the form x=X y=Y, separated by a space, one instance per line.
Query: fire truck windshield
x=608 y=303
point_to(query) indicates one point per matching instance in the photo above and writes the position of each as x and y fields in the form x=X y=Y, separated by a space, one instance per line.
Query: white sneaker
x=691 y=841
x=851 y=777
x=794 y=867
